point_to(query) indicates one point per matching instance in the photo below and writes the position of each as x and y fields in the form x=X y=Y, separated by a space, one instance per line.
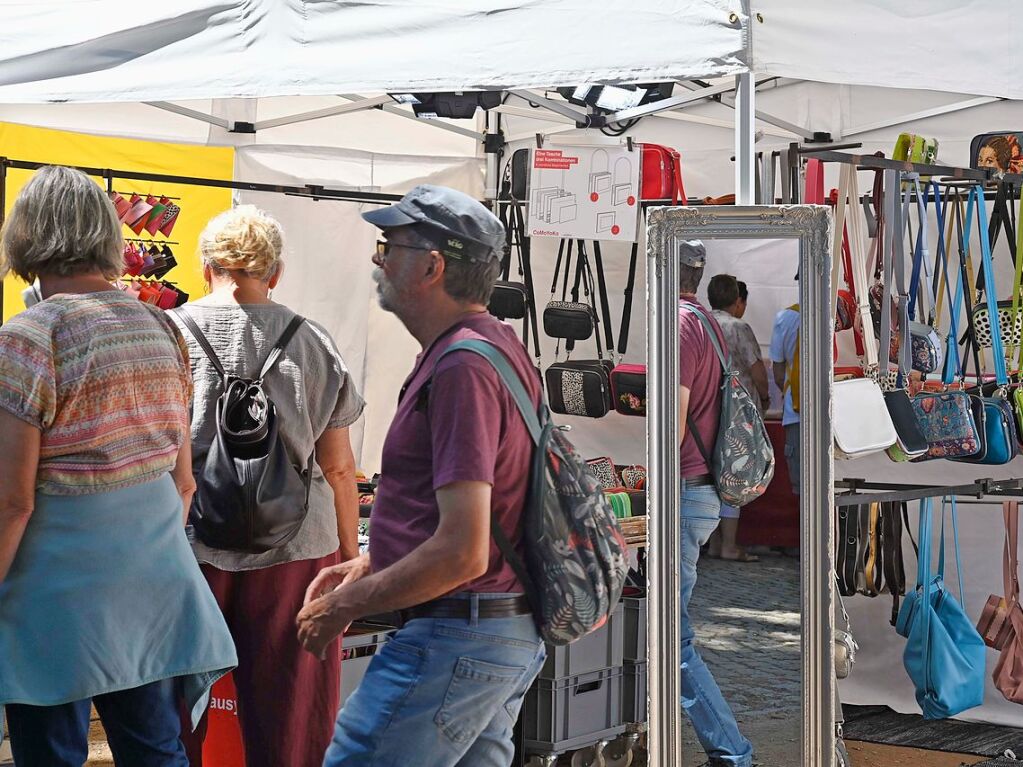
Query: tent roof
x=112 y=50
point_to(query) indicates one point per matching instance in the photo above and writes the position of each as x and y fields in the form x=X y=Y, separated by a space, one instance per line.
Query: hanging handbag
x=944 y=654
x=1001 y=622
x=628 y=380
x=845 y=645
x=581 y=387
x=911 y=442
x=570 y=320
x=861 y=424
x=947 y=418
x=1001 y=443
x=661 y=177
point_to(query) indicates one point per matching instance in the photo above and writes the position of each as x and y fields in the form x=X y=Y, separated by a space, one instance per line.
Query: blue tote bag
x=944 y=654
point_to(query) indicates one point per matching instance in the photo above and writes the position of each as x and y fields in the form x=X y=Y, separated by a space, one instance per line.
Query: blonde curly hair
x=244 y=239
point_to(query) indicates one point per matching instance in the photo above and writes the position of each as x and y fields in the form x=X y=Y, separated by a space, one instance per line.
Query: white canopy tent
x=306 y=76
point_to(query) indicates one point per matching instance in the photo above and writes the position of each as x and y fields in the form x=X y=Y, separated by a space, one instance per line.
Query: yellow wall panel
x=198 y=204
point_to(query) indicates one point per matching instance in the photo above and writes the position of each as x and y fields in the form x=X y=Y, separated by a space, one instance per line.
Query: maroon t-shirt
x=463 y=427
x=699 y=370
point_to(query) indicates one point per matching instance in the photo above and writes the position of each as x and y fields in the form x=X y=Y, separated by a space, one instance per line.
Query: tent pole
x=745 y=115
x=664 y=649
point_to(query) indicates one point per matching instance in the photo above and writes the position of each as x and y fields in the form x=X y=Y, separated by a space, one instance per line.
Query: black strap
x=200 y=338
x=525 y=245
x=590 y=295
x=623 y=333
x=598 y=263
x=1000 y=219
x=557 y=268
x=271 y=358
x=278 y=348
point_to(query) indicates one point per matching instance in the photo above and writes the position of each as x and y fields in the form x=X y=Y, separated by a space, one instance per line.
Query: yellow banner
x=198 y=204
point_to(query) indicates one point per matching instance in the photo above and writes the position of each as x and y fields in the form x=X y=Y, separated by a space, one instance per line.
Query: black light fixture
x=459 y=105
x=614 y=98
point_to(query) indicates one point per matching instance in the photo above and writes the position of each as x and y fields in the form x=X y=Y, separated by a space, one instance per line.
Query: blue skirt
x=106 y=595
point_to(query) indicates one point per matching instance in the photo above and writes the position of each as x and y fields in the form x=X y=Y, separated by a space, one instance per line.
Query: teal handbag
x=944 y=654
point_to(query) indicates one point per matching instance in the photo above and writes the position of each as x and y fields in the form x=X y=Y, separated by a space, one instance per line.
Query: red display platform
x=772 y=519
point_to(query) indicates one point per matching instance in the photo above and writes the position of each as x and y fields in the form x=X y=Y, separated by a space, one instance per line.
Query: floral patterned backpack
x=576 y=556
x=742 y=462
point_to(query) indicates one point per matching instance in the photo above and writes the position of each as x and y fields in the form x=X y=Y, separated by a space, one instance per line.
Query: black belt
x=700 y=481
x=502 y=607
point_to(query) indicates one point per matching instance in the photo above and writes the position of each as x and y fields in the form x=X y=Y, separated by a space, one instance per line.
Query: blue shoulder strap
x=507 y=374
x=724 y=357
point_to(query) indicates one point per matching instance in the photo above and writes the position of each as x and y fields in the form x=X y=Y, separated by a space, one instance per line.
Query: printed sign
x=585 y=193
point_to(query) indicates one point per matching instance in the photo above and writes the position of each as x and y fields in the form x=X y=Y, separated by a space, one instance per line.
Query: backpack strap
x=201 y=339
x=726 y=368
x=513 y=384
x=271 y=358
x=278 y=348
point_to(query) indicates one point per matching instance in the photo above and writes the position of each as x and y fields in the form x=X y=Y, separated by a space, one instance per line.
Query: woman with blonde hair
x=101 y=600
x=287 y=698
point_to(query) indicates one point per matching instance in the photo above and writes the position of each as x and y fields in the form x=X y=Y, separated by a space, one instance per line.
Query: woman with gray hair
x=287 y=698
x=100 y=597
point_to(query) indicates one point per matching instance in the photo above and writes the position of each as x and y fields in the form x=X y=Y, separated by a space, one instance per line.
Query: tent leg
x=745 y=115
x=664 y=649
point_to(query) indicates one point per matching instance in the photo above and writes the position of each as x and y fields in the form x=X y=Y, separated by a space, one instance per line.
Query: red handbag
x=662 y=174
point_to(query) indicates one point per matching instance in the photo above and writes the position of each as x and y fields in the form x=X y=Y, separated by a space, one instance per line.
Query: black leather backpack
x=249 y=496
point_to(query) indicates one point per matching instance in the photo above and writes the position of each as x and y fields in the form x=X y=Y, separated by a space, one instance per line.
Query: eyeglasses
x=384 y=247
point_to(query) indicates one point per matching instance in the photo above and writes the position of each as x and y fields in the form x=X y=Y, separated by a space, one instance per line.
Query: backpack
x=249 y=497
x=576 y=556
x=743 y=460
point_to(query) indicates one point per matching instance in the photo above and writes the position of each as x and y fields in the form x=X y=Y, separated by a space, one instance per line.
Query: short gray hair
x=464 y=280
x=62 y=223
x=689 y=278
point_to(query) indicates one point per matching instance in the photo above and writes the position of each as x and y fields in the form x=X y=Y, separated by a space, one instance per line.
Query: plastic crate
x=357 y=650
x=600 y=649
x=563 y=714
x=634 y=692
x=634 y=643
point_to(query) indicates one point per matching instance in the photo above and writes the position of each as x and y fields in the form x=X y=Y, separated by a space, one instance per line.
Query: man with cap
x=699 y=411
x=447 y=687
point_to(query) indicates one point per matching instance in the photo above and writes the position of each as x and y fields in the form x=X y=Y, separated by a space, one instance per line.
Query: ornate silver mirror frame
x=811 y=226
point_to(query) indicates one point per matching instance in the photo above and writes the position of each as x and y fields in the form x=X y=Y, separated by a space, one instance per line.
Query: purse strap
x=895 y=272
x=922 y=268
x=1010 y=562
x=1017 y=289
x=976 y=200
x=848 y=193
x=605 y=308
x=630 y=284
x=526 y=259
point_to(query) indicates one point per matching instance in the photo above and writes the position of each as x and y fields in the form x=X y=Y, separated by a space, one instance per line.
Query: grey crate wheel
x=591 y=756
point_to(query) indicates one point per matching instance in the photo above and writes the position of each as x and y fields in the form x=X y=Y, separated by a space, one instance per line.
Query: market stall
x=261 y=78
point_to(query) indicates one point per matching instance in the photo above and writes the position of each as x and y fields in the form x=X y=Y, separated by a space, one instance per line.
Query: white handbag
x=860 y=421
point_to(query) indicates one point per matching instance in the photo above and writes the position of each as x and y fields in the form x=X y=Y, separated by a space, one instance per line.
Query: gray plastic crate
x=598 y=650
x=634 y=692
x=358 y=649
x=563 y=714
x=634 y=644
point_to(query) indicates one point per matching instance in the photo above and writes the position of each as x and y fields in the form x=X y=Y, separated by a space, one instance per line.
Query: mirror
x=765 y=247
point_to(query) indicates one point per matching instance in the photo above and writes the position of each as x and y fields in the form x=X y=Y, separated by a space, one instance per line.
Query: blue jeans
x=142 y=725
x=442 y=692
x=702 y=700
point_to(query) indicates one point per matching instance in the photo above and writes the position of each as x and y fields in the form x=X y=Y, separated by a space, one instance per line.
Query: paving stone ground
x=746 y=620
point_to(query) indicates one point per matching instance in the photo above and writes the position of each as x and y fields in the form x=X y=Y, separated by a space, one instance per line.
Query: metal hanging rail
x=894 y=491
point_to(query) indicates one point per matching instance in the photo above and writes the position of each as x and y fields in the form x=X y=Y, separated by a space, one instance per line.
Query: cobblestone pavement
x=746 y=620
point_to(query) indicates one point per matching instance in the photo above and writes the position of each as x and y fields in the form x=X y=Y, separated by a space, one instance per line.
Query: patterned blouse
x=105 y=377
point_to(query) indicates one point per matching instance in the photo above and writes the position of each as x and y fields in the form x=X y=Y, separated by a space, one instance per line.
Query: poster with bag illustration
x=584 y=192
